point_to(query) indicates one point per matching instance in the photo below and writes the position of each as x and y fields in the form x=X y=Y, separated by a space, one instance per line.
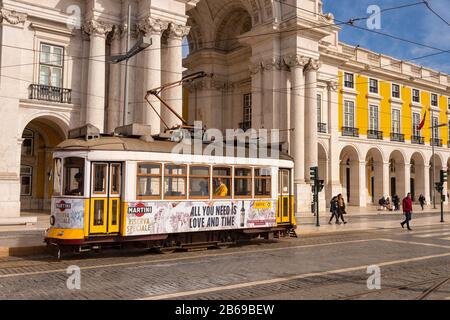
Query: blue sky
x=414 y=23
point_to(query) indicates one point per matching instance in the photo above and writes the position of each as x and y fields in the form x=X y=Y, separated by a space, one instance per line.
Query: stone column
x=362 y=184
x=426 y=179
x=95 y=102
x=296 y=64
x=172 y=72
x=152 y=28
x=386 y=179
x=407 y=182
x=334 y=185
x=311 y=137
x=114 y=102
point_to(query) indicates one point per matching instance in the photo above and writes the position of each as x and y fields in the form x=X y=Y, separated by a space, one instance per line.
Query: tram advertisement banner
x=145 y=218
x=68 y=213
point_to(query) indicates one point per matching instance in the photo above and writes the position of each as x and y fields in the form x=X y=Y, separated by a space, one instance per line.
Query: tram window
x=115 y=178
x=263 y=185
x=57 y=177
x=175 y=181
x=222 y=182
x=243 y=182
x=199 y=182
x=99 y=183
x=149 y=181
x=74 y=177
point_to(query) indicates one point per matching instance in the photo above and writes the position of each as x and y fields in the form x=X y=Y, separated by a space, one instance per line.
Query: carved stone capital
x=115 y=34
x=99 y=28
x=296 y=61
x=313 y=65
x=274 y=63
x=177 y=31
x=332 y=85
x=255 y=68
x=151 y=26
x=12 y=17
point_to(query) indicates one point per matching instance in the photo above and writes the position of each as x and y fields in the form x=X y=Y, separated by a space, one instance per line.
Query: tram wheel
x=166 y=250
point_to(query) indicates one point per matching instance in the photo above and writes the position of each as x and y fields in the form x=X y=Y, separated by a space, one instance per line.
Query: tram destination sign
x=146 y=217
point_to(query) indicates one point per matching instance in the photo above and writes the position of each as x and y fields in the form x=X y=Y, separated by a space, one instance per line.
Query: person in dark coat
x=334 y=210
x=341 y=208
x=396 y=201
x=422 y=201
x=407 y=210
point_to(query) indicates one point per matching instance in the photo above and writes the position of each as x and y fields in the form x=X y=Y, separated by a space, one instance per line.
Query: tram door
x=105 y=201
x=284 y=196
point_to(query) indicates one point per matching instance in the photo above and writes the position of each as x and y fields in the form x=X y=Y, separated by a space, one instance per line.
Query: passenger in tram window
x=79 y=190
x=221 y=188
x=203 y=188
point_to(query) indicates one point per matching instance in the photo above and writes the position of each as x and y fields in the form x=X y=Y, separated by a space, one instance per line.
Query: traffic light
x=439 y=187
x=314 y=173
x=443 y=176
x=321 y=185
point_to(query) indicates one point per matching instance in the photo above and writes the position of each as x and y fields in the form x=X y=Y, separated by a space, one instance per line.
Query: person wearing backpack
x=407 y=210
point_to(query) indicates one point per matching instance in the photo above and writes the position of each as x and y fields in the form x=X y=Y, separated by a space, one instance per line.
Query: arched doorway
x=350 y=175
x=39 y=137
x=374 y=172
x=417 y=179
x=323 y=173
x=397 y=175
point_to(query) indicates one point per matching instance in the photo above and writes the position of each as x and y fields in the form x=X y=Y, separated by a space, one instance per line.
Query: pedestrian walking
x=407 y=210
x=341 y=208
x=422 y=201
x=334 y=210
x=396 y=201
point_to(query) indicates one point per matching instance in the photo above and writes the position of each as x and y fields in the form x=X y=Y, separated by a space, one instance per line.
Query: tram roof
x=117 y=143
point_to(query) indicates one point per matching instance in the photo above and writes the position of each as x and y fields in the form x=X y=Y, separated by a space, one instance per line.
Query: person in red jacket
x=407 y=210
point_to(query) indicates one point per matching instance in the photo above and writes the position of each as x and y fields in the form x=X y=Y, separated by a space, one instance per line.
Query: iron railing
x=417 y=140
x=322 y=127
x=350 y=132
x=436 y=142
x=51 y=94
x=375 y=134
x=397 y=137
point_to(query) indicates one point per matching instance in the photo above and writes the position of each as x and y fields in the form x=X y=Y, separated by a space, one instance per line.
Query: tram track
x=405 y=287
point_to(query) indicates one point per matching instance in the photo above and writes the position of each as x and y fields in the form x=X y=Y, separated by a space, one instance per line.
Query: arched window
x=28 y=142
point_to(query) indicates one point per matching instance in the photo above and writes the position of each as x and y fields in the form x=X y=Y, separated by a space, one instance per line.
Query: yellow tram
x=132 y=189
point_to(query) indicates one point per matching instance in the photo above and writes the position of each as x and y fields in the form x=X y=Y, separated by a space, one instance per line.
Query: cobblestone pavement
x=330 y=266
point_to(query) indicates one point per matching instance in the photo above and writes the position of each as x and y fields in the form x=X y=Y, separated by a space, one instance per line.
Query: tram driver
x=78 y=191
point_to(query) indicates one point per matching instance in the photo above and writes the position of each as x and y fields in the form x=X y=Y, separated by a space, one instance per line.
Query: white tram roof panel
x=115 y=143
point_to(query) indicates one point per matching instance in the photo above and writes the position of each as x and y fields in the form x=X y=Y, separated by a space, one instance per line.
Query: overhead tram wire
x=252 y=36
x=427 y=4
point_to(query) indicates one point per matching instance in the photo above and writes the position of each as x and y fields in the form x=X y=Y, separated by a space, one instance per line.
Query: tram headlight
x=52 y=220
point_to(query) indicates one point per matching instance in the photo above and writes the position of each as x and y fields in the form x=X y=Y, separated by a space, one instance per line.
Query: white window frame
x=378 y=86
x=353 y=115
x=399 y=91
x=437 y=100
x=319 y=108
x=51 y=64
x=412 y=95
x=377 y=117
x=353 y=80
x=247 y=109
x=395 y=110
x=436 y=123
x=30 y=176
x=415 y=131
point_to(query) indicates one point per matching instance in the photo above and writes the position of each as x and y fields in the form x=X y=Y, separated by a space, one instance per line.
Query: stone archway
x=374 y=172
x=39 y=136
x=417 y=176
x=350 y=176
x=398 y=175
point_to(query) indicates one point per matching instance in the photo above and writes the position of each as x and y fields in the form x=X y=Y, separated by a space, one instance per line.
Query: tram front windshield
x=73 y=177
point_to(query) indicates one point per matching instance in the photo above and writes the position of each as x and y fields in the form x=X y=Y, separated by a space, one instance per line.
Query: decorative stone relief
x=12 y=17
x=98 y=28
x=255 y=68
x=296 y=61
x=177 y=31
x=313 y=64
x=332 y=85
x=275 y=63
x=151 y=26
